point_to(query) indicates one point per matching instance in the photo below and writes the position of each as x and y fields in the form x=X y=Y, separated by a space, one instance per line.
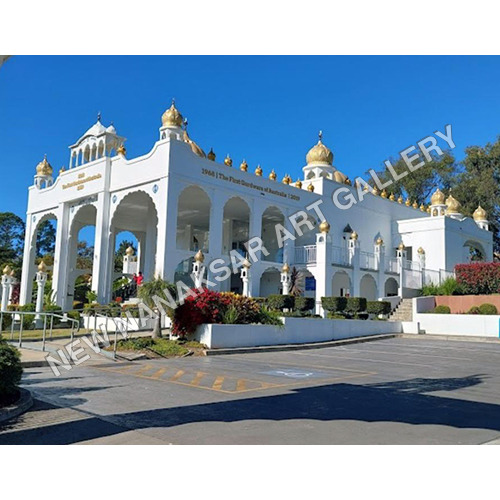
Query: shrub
x=479 y=277
x=450 y=286
x=304 y=303
x=260 y=300
x=278 y=302
x=27 y=308
x=332 y=315
x=334 y=304
x=378 y=307
x=74 y=315
x=441 y=310
x=474 y=310
x=27 y=319
x=77 y=304
x=488 y=309
x=355 y=305
x=430 y=290
x=10 y=370
x=53 y=309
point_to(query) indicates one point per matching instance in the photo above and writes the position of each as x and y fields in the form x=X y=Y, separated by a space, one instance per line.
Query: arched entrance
x=341 y=284
x=270 y=282
x=270 y=218
x=236 y=223
x=390 y=287
x=368 y=287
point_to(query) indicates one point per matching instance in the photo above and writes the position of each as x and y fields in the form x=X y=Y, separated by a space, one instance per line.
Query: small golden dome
x=121 y=150
x=247 y=264
x=428 y=210
x=420 y=251
x=194 y=147
x=324 y=227
x=42 y=267
x=392 y=197
x=437 y=198
x=415 y=204
x=62 y=170
x=408 y=202
x=400 y=199
x=422 y=207
x=285 y=268
x=375 y=191
x=480 y=214
x=339 y=177
x=287 y=179
x=129 y=251
x=354 y=235
x=211 y=155
x=12 y=273
x=366 y=188
x=199 y=257
x=319 y=153
x=272 y=175
x=244 y=166
x=383 y=194
x=258 y=171
x=44 y=168
x=310 y=188
x=228 y=161
x=401 y=246
x=452 y=205
x=298 y=184
x=379 y=241
x=7 y=269
x=348 y=181
x=172 y=117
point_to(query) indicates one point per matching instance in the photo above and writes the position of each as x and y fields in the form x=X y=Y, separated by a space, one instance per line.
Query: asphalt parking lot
x=393 y=391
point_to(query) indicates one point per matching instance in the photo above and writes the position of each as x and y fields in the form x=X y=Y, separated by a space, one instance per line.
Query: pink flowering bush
x=479 y=278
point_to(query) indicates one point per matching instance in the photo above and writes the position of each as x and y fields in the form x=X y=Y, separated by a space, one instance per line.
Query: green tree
x=11 y=238
x=46 y=239
x=85 y=255
x=149 y=291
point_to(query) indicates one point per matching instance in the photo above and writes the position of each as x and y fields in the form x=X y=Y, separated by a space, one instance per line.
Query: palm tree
x=155 y=289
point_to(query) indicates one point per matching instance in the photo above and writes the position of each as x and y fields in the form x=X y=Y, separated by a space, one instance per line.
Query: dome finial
x=320 y=136
x=99 y=116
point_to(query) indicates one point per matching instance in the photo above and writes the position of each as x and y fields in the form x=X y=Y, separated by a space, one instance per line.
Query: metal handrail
x=74 y=324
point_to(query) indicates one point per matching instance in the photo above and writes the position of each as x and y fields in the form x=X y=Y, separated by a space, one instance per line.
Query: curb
x=34 y=364
x=23 y=404
x=459 y=338
x=297 y=347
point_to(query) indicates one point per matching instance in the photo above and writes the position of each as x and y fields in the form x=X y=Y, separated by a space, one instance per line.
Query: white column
x=5 y=288
x=285 y=279
x=198 y=269
x=215 y=234
x=354 y=259
x=28 y=270
x=245 y=278
x=323 y=269
x=380 y=258
x=41 y=278
x=101 y=245
x=61 y=252
x=255 y=226
x=401 y=256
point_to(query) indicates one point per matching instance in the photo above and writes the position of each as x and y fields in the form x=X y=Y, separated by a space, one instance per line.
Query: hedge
x=488 y=309
x=441 y=310
x=10 y=370
x=355 y=305
x=334 y=304
x=378 y=307
x=304 y=303
x=279 y=302
x=479 y=278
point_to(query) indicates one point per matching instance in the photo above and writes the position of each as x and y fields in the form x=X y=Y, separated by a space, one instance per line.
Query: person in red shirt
x=139 y=279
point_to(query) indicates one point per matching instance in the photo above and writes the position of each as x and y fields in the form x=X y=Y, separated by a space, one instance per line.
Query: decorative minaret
x=198 y=269
x=480 y=217
x=285 y=278
x=401 y=256
x=421 y=257
x=6 y=284
x=41 y=279
x=245 y=277
x=129 y=262
x=453 y=207
x=319 y=161
x=172 y=122
x=354 y=259
x=380 y=260
x=44 y=173
x=438 y=205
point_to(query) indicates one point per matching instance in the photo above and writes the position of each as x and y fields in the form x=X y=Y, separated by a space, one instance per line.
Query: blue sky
x=267 y=110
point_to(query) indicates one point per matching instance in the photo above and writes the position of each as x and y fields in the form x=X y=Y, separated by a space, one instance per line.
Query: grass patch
x=162 y=347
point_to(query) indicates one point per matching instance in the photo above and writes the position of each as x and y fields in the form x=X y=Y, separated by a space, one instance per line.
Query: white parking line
x=400 y=353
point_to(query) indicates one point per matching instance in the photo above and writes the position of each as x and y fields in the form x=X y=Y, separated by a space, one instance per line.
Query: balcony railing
x=305 y=254
x=340 y=255
x=367 y=260
x=391 y=265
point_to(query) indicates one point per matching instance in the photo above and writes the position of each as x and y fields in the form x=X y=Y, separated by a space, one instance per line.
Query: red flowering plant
x=479 y=278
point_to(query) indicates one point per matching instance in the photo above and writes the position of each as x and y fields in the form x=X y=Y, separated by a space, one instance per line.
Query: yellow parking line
x=241 y=385
x=159 y=373
x=177 y=376
x=197 y=379
x=144 y=369
x=217 y=385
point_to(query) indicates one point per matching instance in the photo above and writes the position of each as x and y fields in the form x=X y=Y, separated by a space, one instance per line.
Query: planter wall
x=295 y=331
x=462 y=303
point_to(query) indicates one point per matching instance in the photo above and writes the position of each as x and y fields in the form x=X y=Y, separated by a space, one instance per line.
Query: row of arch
x=90 y=153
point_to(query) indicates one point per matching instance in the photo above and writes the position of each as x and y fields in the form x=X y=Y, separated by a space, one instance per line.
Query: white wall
x=474 y=325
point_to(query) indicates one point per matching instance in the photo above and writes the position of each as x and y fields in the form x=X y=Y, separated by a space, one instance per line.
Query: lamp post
x=198 y=269
x=6 y=284
x=245 y=277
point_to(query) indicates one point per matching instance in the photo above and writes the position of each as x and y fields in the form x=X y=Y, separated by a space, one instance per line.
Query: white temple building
x=177 y=200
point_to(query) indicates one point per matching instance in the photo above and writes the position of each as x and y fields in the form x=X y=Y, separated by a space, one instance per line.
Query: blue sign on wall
x=310 y=284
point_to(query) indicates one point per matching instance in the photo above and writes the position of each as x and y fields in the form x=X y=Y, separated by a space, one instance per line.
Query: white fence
x=305 y=254
x=367 y=260
x=340 y=255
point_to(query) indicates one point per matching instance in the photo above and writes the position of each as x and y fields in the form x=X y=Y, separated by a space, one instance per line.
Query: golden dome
x=415 y=204
x=287 y=179
x=366 y=188
x=480 y=214
x=375 y=191
x=422 y=207
x=298 y=184
x=244 y=166
x=199 y=257
x=437 y=198
x=383 y=194
x=324 y=227
x=428 y=210
x=392 y=197
x=228 y=161
x=401 y=246
x=400 y=199
x=354 y=235
x=339 y=177
x=310 y=188
x=379 y=241
x=420 y=251
x=129 y=251
x=172 y=117
x=408 y=202
x=121 y=150
x=211 y=155
x=258 y=171
x=62 y=169
x=285 y=268
x=247 y=264
x=319 y=153
x=7 y=269
x=194 y=147
x=44 y=167
x=272 y=175
x=452 y=205
x=348 y=181
x=42 y=267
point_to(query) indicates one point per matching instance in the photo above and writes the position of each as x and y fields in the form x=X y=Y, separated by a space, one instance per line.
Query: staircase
x=403 y=312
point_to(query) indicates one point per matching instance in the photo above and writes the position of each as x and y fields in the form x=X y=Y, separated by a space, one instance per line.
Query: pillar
x=198 y=269
x=285 y=279
x=354 y=256
x=28 y=261
x=380 y=260
x=401 y=256
x=323 y=266
x=6 y=284
x=245 y=278
x=41 y=279
x=101 y=245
